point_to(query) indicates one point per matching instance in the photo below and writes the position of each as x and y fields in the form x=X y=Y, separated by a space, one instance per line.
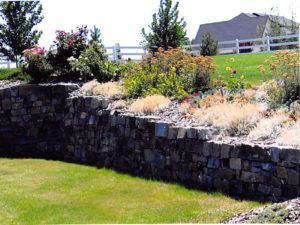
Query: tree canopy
x=16 y=30
x=167 y=30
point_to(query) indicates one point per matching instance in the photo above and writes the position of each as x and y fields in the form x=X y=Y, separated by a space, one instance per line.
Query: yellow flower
x=232 y=59
x=228 y=69
x=284 y=74
x=242 y=77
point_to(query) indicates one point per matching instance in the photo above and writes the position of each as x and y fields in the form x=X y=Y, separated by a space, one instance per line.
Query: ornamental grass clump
x=269 y=127
x=150 y=104
x=109 y=89
x=233 y=119
x=291 y=135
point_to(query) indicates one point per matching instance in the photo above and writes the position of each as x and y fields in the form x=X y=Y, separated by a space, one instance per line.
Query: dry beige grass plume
x=88 y=86
x=150 y=104
x=291 y=136
x=109 y=89
x=119 y=104
x=269 y=127
x=234 y=119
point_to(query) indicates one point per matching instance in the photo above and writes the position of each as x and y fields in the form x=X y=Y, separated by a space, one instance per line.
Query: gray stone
x=175 y=157
x=191 y=133
x=225 y=151
x=213 y=163
x=264 y=189
x=250 y=177
x=181 y=133
x=235 y=163
x=148 y=155
x=274 y=152
x=293 y=177
x=83 y=115
x=95 y=103
x=6 y=103
x=161 y=129
x=281 y=172
x=172 y=132
x=207 y=148
x=225 y=173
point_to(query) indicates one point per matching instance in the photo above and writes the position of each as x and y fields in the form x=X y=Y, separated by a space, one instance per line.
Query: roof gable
x=242 y=26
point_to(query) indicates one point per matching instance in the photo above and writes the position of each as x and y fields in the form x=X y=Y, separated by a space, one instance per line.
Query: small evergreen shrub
x=209 y=46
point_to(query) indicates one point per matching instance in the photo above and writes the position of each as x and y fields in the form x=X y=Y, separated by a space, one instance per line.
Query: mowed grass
x=244 y=64
x=43 y=192
x=13 y=74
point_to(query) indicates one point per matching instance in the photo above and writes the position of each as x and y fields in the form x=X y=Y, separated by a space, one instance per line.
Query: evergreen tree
x=209 y=46
x=16 y=31
x=95 y=35
x=167 y=30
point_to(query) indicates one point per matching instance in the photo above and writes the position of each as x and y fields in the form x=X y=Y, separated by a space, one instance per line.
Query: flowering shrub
x=93 y=63
x=194 y=71
x=285 y=87
x=66 y=45
x=36 y=64
x=147 y=81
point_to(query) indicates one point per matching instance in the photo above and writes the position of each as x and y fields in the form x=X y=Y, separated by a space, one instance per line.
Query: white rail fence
x=266 y=44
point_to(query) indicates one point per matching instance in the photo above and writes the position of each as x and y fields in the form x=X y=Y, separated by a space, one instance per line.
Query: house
x=243 y=26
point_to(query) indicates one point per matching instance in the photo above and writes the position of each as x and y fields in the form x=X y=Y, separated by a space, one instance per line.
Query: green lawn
x=244 y=64
x=14 y=74
x=42 y=192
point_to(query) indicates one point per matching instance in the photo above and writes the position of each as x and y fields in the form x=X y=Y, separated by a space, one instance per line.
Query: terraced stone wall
x=42 y=121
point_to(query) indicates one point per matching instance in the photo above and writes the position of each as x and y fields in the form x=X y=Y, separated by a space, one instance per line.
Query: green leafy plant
x=93 y=63
x=285 y=86
x=144 y=82
x=36 y=64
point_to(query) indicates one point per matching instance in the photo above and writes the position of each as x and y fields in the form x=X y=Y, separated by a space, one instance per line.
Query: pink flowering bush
x=36 y=64
x=66 y=45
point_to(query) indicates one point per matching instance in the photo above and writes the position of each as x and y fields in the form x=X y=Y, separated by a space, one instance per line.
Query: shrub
x=195 y=71
x=144 y=82
x=93 y=63
x=150 y=104
x=66 y=45
x=36 y=64
x=209 y=46
x=285 y=88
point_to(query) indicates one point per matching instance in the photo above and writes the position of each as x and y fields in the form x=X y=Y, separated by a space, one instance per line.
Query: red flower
x=71 y=42
x=234 y=71
x=196 y=94
x=40 y=66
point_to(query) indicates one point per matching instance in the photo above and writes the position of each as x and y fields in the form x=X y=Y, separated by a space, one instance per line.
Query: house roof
x=242 y=26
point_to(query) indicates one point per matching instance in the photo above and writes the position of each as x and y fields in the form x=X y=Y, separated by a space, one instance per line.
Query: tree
x=166 y=29
x=95 y=35
x=16 y=31
x=209 y=46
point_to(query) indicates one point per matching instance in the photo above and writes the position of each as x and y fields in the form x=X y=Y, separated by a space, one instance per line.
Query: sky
x=121 y=21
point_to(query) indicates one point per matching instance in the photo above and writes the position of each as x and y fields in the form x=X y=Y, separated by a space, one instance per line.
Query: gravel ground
x=293 y=216
x=8 y=84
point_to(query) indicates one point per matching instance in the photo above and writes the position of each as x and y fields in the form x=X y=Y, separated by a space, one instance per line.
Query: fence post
x=237 y=46
x=117 y=51
x=268 y=44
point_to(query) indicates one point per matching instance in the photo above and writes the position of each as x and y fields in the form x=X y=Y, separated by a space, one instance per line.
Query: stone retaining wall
x=42 y=121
